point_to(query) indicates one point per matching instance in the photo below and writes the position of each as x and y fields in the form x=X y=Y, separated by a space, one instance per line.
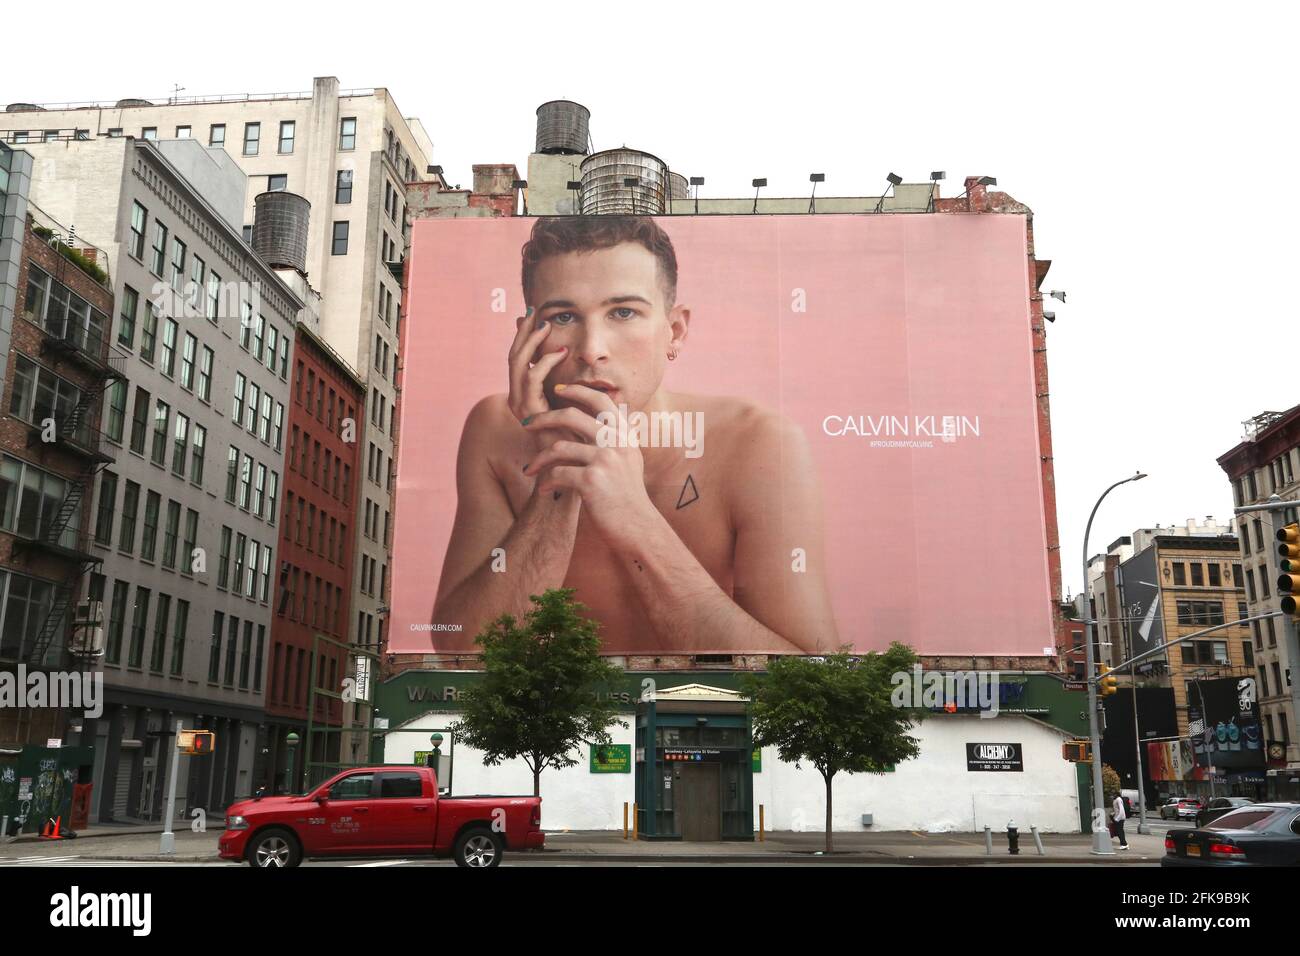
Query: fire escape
x=60 y=535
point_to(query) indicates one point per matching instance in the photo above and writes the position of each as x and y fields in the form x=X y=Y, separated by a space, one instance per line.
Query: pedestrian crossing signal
x=1077 y=751
x=196 y=742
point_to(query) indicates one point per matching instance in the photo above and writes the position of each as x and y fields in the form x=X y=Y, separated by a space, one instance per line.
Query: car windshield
x=1255 y=818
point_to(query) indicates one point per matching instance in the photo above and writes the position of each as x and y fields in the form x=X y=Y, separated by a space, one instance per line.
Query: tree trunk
x=537 y=781
x=828 y=779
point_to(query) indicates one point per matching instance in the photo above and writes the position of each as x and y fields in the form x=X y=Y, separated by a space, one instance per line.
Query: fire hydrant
x=1013 y=838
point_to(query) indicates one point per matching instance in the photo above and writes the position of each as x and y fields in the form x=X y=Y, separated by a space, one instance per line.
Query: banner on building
x=745 y=434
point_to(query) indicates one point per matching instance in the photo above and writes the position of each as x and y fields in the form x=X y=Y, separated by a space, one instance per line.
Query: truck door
x=345 y=821
x=405 y=811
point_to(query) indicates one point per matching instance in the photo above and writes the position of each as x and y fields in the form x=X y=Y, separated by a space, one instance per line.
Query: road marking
x=380 y=863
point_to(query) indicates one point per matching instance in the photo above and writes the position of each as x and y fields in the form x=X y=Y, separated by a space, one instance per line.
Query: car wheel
x=479 y=847
x=273 y=849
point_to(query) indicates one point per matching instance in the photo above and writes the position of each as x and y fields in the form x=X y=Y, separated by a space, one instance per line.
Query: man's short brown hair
x=556 y=235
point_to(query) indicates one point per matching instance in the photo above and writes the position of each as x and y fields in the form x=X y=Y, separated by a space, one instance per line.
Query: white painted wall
x=934 y=793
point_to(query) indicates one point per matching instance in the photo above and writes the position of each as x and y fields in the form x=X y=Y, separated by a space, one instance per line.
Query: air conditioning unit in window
x=87 y=638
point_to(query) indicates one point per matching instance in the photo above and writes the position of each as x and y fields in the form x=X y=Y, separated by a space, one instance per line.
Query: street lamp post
x=1100 y=835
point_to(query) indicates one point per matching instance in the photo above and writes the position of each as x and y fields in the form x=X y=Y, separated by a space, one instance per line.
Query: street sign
x=196 y=742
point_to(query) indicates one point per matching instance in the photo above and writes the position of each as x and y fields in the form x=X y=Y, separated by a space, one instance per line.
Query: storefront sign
x=758 y=760
x=611 y=758
x=994 y=757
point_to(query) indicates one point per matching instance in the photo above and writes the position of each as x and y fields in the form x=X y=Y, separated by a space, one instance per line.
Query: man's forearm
x=536 y=553
x=680 y=599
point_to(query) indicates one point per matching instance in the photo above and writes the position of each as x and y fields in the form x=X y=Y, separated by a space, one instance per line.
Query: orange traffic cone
x=51 y=829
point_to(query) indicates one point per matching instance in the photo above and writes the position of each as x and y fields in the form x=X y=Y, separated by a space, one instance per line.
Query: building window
x=1198 y=575
x=182 y=132
x=264 y=431
x=213 y=307
x=259 y=490
x=254 y=397
x=272 y=490
x=114 y=132
x=265 y=594
x=232 y=635
x=279 y=426
x=1203 y=613
x=187 y=361
x=191 y=536
x=214 y=648
x=277 y=183
x=245 y=482
x=252 y=138
x=205 y=375
x=232 y=474
x=348 y=132
x=180 y=444
x=161 y=417
x=170 y=533
x=194 y=288
x=286 y=136
x=343 y=186
x=139 y=621
x=237 y=414
x=340 y=246
x=116 y=623
x=148 y=541
x=248 y=235
x=217 y=134
x=139 y=217
x=158 y=650
x=1247 y=654
x=159 y=249
x=130 y=506
x=1215 y=578
x=223 y=565
x=272 y=340
x=199 y=443
x=168 y=363
x=178 y=265
x=1237 y=581
x=178 y=637
x=140 y=420
x=116 y=411
x=126 y=318
x=107 y=501
x=149 y=132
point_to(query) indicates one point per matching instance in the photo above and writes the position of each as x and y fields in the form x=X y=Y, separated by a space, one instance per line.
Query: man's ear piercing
x=672 y=354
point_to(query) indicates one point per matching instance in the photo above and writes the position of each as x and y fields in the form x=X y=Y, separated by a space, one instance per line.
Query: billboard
x=1223 y=724
x=1144 y=618
x=729 y=434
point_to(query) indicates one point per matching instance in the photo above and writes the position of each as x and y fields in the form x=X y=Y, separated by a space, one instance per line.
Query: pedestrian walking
x=1118 y=816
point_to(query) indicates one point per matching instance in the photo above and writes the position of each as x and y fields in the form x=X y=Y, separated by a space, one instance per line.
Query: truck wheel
x=273 y=848
x=479 y=847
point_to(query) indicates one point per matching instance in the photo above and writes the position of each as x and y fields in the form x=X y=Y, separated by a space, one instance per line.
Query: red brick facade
x=318 y=529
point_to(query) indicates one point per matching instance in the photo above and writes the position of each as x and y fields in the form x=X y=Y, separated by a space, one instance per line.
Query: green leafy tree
x=1110 y=785
x=836 y=713
x=539 y=695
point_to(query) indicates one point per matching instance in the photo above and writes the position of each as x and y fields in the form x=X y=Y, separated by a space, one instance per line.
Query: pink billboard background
x=842 y=323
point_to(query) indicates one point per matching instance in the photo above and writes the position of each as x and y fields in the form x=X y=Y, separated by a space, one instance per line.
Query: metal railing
x=172 y=100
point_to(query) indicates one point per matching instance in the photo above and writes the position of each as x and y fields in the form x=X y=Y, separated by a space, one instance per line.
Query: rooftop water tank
x=280 y=229
x=562 y=127
x=678 y=186
x=606 y=190
x=130 y=101
x=24 y=108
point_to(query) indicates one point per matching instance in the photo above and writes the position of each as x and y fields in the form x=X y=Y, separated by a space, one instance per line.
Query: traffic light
x=1288 y=582
x=196 y=742
x=1106 y=685
x=1077 y=751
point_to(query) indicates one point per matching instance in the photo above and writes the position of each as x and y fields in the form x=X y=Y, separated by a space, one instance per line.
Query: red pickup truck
x=380 y=811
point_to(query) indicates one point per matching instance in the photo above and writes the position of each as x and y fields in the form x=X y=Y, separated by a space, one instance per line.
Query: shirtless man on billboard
x=672 y=550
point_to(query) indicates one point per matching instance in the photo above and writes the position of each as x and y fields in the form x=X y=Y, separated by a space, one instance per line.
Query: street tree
x=539 y=697
x=836 y=713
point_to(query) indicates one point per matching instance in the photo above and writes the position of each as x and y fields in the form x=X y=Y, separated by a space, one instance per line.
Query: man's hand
x=529 y=366
x=609 y=480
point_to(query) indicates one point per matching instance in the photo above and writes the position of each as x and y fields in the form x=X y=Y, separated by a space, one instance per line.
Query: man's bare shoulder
x=741 y=427
x=491 y=430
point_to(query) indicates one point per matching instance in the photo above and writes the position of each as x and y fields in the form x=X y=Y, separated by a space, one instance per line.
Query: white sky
x=1149 y=140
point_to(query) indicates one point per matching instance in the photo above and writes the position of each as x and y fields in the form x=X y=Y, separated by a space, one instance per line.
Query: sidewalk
x=140 y=844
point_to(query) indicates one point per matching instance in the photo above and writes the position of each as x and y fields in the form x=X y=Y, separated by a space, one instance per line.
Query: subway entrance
x=694 y=766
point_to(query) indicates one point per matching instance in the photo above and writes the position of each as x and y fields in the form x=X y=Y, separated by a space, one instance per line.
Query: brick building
x=56 y=371
x=309 y=632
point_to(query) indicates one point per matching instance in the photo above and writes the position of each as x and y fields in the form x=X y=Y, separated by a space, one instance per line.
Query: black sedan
x=1218 y=807
x=1261 y=834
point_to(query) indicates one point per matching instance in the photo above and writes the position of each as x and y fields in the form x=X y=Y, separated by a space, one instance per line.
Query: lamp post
x=1100 y=835
x=1137 y=738
x=291 y=742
